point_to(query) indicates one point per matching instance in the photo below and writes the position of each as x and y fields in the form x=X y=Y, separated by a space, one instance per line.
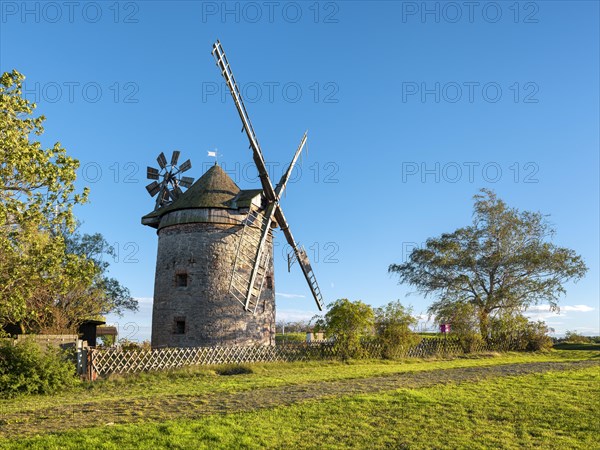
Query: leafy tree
x=63 y=311
x=37 y=194
x=51 y=278
x=393 y=324
x=116 y=298
x=347 y=322
x=504 y=261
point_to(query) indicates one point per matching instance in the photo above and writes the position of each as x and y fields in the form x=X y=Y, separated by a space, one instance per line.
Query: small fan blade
x=175 y=157
x=185 y=166
x=153 y=188
x=186 y=182
x=152 y=173
x=162 y=160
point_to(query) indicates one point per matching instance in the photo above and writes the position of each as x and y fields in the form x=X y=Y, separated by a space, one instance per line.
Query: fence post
x=91 y=373
x=81 y=361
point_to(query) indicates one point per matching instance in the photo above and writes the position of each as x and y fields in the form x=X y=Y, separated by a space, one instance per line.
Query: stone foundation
x=202 y=313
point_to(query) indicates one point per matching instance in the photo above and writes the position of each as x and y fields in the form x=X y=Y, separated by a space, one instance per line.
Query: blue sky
x=411 y=108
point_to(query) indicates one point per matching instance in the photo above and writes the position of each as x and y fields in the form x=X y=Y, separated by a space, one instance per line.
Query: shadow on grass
x=233 y=369
x=570 y=346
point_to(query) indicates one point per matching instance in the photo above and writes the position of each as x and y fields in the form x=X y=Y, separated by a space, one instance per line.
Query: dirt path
x=162 y=408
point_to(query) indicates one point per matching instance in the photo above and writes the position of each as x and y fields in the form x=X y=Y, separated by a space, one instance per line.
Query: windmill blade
x=162 y=160
x=270 y=193
x=227 y=74
x=175 y=157
x=185 y=166
x=152 y=173
x=153 y=188
x=186 y=182
x=261 y=247
x=286 y=176
x=302 y=258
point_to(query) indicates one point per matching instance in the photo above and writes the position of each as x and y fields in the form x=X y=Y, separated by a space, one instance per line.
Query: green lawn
x=202 y=380
x=548 y=410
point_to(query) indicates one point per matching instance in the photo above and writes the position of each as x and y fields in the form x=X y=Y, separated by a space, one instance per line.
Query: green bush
x=471 y=342
x=516 y=332
x=27 y=369
x=290 y=338
x=393 y=324
x=536 y=336
x=106 y=341
x=575 y=338
x=128 y=345
x=464 y=325
x=348 y=323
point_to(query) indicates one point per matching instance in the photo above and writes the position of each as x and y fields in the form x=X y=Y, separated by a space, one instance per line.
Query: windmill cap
x=214 y=189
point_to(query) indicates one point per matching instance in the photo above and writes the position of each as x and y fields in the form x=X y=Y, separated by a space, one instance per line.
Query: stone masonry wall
x=206 y=253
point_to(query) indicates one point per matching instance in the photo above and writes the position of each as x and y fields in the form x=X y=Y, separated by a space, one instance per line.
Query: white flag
x=214 y=154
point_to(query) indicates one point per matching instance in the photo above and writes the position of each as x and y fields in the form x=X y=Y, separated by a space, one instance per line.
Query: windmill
x=246 y=287
x=215 y=248
x=171 y=179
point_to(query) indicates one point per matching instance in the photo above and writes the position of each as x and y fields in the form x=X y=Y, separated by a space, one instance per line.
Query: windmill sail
x=302 y=258
x=286 y=176
x=246 y=285
x=227 y=74
x=243 y=288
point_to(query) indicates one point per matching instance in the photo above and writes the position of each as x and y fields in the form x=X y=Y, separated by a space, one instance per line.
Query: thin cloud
x=284 y=295
x=545 y=309
x=539 y=308
x=577 y=308
x=294 y=315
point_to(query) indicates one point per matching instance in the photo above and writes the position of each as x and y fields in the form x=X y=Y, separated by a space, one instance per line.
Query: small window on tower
x=180 y=326
x=181 y=280
x=269 y=282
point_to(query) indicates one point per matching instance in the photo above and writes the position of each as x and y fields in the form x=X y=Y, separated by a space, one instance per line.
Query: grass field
x=547 y=400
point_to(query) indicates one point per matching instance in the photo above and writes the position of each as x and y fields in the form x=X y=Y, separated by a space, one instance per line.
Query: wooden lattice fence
x=114 y=360
x=106 y=361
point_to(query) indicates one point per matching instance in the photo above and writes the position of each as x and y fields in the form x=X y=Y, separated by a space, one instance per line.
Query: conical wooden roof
x=214 y=189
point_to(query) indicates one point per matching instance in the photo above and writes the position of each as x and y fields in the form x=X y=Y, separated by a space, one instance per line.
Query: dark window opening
x=181 y=280
x=269 y=282
x=179 y=326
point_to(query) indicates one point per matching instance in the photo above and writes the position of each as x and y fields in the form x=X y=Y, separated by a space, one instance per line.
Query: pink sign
x=445 y=328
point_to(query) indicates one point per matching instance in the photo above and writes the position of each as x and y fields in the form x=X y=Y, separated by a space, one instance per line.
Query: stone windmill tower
x=214 y=280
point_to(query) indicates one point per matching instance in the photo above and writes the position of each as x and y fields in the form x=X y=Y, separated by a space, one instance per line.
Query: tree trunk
x=484 y=319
